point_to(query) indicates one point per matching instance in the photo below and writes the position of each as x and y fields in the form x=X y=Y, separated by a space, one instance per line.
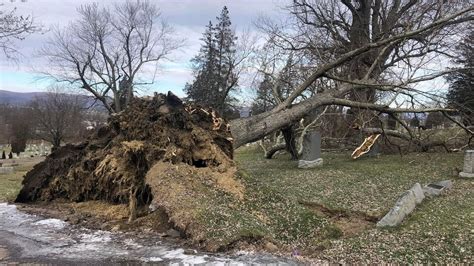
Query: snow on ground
x=38 y=237
x=51 y=223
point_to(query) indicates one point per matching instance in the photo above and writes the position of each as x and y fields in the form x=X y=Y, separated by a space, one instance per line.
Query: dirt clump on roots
x=158 y=154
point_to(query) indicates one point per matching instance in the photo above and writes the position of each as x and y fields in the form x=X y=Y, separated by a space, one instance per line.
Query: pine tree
x=204 y=65
x=461 y=92
x=264 y=100
x=214 y=73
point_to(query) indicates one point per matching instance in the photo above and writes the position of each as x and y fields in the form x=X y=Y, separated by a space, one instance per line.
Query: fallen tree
x=159 y=153
x=298 y=104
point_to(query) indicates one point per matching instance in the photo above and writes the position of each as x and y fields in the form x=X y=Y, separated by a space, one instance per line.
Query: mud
x=159 y=157
x=350 y=223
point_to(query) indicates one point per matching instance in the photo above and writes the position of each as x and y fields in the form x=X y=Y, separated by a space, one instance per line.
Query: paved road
x=31 y=238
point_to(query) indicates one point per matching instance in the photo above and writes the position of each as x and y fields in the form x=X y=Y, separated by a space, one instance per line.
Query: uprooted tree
x=160 y=152
x=365 y=55
x=178 y=157
x=353 y=52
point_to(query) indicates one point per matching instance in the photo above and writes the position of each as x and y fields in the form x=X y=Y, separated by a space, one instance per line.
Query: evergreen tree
x=204 y=66
x=461 y=92
x=264 y=100
x=214 y=73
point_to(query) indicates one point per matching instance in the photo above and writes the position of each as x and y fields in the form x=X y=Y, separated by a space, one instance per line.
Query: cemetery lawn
x=10 y=184
x=346 y=197
x=328 y=214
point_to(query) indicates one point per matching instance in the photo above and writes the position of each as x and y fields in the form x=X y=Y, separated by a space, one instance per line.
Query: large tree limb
x=253 y=128
x=349 y=55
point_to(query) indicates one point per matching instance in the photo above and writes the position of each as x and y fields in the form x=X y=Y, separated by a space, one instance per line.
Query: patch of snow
x=96 y=237
x=186 y=259
x=195 y=260
x=130 y=242
x=54 y=223
x=243 y=253
x=52 y=238
x=153 y=259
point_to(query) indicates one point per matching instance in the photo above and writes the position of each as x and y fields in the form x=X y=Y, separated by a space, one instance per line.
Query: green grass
x=440 y=229
x=10 y=185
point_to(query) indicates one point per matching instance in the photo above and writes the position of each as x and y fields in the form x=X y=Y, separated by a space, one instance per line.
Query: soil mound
x=157 y=154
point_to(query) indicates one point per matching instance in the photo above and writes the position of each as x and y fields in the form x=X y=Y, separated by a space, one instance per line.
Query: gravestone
x=5 y=170
x=41 y=149
x=404 y=206
x=468 y=169
x=410 y=198
x=438 y=188
x=311 y=156
x=374 y=150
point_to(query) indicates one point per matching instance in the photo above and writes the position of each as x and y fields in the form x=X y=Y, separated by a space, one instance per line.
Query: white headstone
x=6 y=170
x=468 y=169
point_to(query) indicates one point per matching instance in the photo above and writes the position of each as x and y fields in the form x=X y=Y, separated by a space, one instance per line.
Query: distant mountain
x=17 y=98
x=23 y=98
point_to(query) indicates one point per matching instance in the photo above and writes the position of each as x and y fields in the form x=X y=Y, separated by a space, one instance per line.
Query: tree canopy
x=109 y=51
x=461 y=92
x=215 y=74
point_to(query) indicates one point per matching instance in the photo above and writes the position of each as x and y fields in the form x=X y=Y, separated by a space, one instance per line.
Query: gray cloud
x=187 y=16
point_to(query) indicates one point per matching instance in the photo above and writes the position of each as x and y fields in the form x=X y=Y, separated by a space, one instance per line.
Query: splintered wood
x=217 y=121
x=365 y=146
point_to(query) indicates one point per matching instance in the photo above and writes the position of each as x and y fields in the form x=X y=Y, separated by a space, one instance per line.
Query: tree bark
x=290 y=143
x=249 y=129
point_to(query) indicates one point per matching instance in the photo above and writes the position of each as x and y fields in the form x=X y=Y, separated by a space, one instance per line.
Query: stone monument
x=5 y=170
x=374 y=150
x=311 y=151
x=468 y=169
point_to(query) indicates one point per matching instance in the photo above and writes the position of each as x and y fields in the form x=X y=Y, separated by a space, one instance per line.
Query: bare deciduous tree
x=360 y=60
x=57 y=115
x=14 y=27
x=107 y=49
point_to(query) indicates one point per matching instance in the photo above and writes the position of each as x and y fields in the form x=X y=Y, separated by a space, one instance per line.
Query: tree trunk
x=269 y=154
x=56 y=142
x=253 y=128
x=290 y=143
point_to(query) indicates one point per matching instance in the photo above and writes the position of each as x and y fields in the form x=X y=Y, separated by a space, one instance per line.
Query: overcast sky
x=188 y=17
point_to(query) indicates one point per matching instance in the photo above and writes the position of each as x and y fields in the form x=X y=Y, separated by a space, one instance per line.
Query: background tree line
x=56 y=117
x=364 y=59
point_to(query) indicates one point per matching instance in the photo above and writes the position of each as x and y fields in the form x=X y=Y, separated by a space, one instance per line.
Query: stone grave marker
x=410 y=198
x=311 y=151
x=468 y=169
x=5 y=170
x=374 y=150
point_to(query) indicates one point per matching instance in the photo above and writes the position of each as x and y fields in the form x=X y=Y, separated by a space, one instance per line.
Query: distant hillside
x=17 y=98
x=21 y=99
